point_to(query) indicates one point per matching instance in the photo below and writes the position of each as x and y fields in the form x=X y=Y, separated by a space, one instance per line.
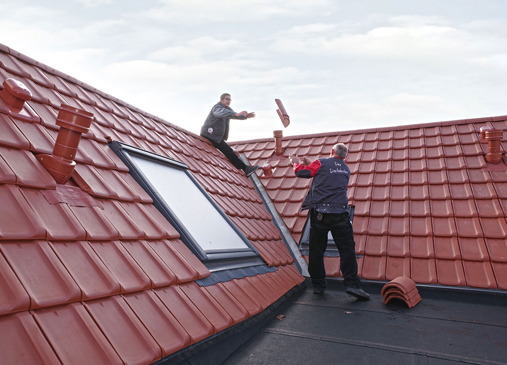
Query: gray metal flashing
x=287 y=238
x=227 y=275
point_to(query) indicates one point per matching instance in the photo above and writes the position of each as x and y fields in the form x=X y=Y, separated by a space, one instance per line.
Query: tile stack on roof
x=401 y=288
x=428 y=206
x=91 y=271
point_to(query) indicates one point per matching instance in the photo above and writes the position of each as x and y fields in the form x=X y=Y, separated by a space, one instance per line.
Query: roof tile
x=398 y=246
x=500 y=272
x=84 y=341
x=443 y=208
x=95 y=223
x=450 y=272
x=479 y=274
x=159 y=321
x=175 y=261
x=397 y=266
x=468 y=227
x=423 y=271
x=398 y=208
x=497 y=249
x=399 y=226
x=123 y=267
x=489 y=208
x=439 y=192
x=10 y=135
x=444 y=227
x=42 y=274
x=87 y=270
x=494 y=227
x=18 y=221
x=473 y=249
x=13 y=296
x=244 y=298
x=374 y=268
x=123 y=329
x=447 y=248
x=29 y=172
x=376 y=245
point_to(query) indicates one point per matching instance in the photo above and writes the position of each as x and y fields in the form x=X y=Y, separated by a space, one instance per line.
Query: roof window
x=202 y=224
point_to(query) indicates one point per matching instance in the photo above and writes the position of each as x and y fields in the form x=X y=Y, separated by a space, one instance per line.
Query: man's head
x=339 y=150
x=225 y=99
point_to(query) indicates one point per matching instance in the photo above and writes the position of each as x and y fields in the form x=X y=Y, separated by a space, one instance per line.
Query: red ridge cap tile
x=43 y=276
x=208 y=306
x=29 y=172
x=447 y=248
x=189 y=316
x=13 y=296
x=479 y=274
x=10 y=135
x=18 y=221
x=159 y=321
x=95 y=223
x=87 y=270
x=123 y=329
x=450 y=272
x=123 y=267
x=152 y=265
x=423 y=271
x=58 y=220
x=175 y=261
x=23 y=342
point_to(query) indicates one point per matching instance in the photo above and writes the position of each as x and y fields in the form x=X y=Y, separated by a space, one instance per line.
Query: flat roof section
x=446 y=327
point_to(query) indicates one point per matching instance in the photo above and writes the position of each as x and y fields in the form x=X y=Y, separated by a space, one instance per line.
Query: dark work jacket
x=328 y=191
x=216 y=126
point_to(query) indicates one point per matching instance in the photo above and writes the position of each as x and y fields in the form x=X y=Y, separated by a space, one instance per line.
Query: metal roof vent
x=494 y=155
x=73 y=122
x=267 y=169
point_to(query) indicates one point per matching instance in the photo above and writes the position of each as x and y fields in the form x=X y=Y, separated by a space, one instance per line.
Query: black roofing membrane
x=446 y=327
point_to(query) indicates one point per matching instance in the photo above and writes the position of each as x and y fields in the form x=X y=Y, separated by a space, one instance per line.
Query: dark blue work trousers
x=341 y=230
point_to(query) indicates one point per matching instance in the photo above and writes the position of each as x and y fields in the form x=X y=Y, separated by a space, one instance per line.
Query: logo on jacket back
x=338 y=170
x=210 y=130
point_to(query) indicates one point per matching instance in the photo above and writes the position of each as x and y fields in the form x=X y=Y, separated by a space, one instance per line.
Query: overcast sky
x=336 y=65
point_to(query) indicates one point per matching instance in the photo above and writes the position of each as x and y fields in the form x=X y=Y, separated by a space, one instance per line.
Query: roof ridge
x=26 y=59
x=383 y=129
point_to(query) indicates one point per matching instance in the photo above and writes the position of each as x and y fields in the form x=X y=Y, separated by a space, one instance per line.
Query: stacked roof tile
x=427 y=204
x=91 y=271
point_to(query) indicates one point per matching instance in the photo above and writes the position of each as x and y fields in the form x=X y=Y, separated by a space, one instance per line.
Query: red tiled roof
x=427 y=204
x=91 y=271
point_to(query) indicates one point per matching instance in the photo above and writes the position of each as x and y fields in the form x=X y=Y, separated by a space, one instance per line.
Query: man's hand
x=251 y=115
x=293 y=159
x=305 y=161
x=241 y=114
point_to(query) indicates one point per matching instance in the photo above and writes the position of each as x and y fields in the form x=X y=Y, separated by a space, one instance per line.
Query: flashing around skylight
x=202 y=224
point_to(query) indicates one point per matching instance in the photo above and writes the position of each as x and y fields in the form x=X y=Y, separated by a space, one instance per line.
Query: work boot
x=357 y=293
x=250 y=170
x=318 y=290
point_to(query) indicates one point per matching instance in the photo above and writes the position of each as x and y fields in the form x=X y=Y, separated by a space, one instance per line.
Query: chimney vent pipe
x=267 y=168
x=73 y=122
x=494 y=155
x=278 y=142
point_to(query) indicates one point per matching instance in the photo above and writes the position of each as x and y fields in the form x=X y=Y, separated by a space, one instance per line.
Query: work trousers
x=341 y=230
x=223 y=147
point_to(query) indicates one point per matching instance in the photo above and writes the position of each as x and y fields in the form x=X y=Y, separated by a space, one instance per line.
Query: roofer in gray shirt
x=328 y=204
x=216 y=129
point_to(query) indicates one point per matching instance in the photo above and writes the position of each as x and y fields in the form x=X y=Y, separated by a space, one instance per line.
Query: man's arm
x=222 y=112
x=305 y=169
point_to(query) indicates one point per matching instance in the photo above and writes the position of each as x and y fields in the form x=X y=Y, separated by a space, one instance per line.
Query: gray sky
x=336 y=65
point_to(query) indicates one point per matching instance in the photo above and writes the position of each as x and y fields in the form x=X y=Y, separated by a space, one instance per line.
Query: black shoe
x=357 y=293
x=250 y=170
x=318 y=290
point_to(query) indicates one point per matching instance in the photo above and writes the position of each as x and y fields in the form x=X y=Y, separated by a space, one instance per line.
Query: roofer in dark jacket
x=216 y=129
x=328 y=204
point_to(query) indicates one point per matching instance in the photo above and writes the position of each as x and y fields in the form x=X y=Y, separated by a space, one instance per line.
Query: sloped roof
x=427 y=205
x=91 y=271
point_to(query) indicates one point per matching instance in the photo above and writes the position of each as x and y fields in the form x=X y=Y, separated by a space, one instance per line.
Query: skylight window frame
x=218 y=259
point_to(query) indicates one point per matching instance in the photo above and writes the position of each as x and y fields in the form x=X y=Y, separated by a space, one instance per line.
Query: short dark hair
x=222 y=97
